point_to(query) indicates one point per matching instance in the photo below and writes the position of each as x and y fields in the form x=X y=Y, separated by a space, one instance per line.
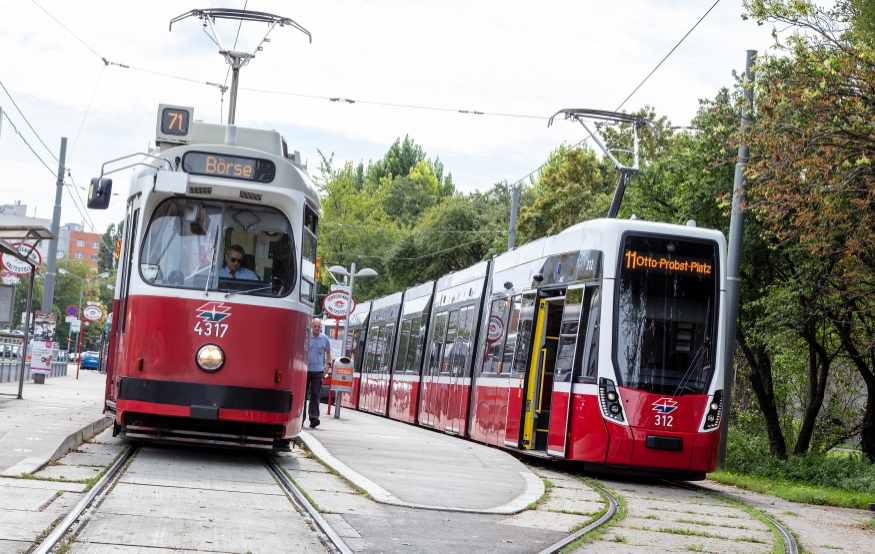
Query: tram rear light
x=318 y=267
x=277 y=376
x=118 y=248
x=210 y=358
x=139 y=364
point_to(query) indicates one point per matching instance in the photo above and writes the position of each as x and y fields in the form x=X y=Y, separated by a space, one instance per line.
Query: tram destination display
x=644 y=261
x=234 y=167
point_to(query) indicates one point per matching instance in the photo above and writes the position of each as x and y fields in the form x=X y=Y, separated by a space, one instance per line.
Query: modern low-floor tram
x=599 y=345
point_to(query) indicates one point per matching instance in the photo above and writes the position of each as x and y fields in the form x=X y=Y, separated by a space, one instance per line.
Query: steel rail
x=57 y=534
x=790 y=546
x=317 y=517
x=613 y=507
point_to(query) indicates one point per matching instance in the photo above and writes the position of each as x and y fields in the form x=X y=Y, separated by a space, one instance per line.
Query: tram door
x=516 y=403
x=538 y=393
x=431 y=374
x=382 y=377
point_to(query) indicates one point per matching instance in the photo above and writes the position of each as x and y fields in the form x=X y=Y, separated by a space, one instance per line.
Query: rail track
x=78 y=518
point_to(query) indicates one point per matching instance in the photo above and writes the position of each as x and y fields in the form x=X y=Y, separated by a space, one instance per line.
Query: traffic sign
x=74 y=326
x=335 y=304
x=72 y=311
x=18 y=267
x=92 y=313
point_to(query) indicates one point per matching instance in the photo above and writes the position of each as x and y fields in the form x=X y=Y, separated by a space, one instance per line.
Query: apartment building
x=75 y=243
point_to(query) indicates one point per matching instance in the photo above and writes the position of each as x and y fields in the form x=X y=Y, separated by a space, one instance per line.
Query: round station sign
x=496 y=329
x=18 y=267
x=92 y=313
x=335 y=304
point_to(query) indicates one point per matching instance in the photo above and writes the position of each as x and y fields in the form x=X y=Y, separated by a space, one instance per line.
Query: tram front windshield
x=666 y=315
x=225 y=246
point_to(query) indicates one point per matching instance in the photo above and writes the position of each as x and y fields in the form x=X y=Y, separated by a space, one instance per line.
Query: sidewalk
x=49 y=420
x=403 y=465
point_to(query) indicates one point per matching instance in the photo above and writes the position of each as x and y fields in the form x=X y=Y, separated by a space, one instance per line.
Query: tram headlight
x=715 y=411
x=615 y=408
x=609 y=399
x=612 y=397
x=210 y=358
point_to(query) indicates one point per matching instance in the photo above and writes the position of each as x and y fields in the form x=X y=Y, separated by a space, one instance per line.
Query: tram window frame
x=131 y=231
x=509 y=350
x=524 y=346
x=449 y=342
x=463 y=339
x=389 y=349
x=214 y=282
x=309 y=244
x=570 y=333
x=413 y=355
x=370 y=353
x=435 y=347
x=495 y=351
x=403 y=345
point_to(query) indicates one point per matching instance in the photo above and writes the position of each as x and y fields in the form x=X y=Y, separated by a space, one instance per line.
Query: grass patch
x=696 y=547
x=689 y=532
x=601 y=529
x=619 y=538
x=869 y=522
x=333 y=471
x=301 y=490
x=651 y=516
x=548 y=486
x=795 y=492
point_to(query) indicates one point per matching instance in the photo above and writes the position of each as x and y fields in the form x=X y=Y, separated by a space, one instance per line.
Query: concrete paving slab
x=161 y=501
x=220 y=485
x=586 y=494
x=538 y=519
x=97 y=448
x=93 y=548
x=343 y=529
x=19 y=498
x=300 y=464
x=820 y=528
x=342 y=503
x=244 y=535
x=105 y=437
x=37 y=484
x=567 y=505
x=403 y=464
x=667 y=542
x=14 y=547
x=70 y=473
x=49 y=421
x=88 y=459
x=320 y=482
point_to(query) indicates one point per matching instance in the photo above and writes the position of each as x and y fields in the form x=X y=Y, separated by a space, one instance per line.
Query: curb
x=534 y=486
x=74 y=439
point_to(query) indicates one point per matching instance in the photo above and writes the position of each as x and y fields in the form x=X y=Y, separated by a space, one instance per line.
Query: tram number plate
x=664 y=420
x=211 y=329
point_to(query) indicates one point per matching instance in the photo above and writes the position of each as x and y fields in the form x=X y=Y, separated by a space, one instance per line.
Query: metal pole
x=23 y=354
x=618 y=194
x=49 y=286
x=514 y=208
x=733 y=264
x=232 y=101
x=346 y=334
x=81 y=324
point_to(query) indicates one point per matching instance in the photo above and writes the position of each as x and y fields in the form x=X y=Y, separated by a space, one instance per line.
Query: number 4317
x=211 y=329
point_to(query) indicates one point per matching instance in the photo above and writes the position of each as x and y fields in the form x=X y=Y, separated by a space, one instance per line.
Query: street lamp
x=340 y=270
x=82 y=281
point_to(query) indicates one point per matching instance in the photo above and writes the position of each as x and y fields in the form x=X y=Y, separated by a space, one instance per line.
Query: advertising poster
x=43 y=342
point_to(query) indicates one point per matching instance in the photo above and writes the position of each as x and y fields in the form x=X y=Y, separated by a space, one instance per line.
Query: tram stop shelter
x=27 y=238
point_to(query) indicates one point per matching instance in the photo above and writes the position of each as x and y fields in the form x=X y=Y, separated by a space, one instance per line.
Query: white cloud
x=510 y=57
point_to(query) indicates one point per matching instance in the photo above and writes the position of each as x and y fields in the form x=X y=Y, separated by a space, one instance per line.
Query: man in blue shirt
x=319 y=357
x=233 y=269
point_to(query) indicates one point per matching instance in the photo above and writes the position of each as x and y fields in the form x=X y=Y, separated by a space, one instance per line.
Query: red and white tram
x=215 y=287
x=599 y=345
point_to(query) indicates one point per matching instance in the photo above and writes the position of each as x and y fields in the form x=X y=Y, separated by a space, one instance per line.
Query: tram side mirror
x=99 y=193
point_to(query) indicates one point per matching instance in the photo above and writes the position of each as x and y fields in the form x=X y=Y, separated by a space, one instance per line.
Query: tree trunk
x=867 y=430
x=818 y=372
x=761 y=381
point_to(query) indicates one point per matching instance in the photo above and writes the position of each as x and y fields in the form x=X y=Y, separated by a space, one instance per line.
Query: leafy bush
x=749 y=454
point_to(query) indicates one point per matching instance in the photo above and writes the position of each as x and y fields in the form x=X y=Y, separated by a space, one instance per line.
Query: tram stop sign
x=341 y=375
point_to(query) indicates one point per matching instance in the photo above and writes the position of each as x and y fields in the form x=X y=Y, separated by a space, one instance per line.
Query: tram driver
x=234 y=265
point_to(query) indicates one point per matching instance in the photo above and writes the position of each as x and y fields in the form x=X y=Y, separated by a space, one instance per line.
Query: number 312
x=664 y=420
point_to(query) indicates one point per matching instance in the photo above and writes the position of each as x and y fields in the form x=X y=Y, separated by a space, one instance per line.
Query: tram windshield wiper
x=230 y=292
x=212 y=261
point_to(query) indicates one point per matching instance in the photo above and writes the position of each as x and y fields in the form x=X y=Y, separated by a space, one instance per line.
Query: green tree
x=106 y=258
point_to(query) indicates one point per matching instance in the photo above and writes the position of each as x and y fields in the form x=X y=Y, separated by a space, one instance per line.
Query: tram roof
x=416 y=291
x=476 y=271
x=385 y=301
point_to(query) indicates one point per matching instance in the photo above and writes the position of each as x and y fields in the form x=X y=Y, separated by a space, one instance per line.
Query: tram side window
x=497 y=313
x=388 y=344
x=371 y=350
x=449 y=341
x=590 y=363
x=568 y=332
x=463 y=342
x=437 y=340
x=524 y=334
x=510 y=344
x=308 y=256
x=226 y=246
x=415 y=349
x=129 y=264
x=403 y=345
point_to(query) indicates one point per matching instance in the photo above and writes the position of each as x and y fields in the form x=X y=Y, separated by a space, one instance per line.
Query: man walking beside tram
x=319 y=357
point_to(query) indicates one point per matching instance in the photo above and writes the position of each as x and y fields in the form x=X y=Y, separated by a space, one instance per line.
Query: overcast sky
x=521 y=58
